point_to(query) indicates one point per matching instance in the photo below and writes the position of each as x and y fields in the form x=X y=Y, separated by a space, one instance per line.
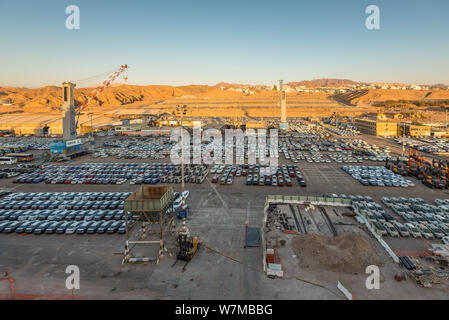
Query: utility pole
x=92 y=140
x=403 y=138
x=91 y=127
x=182 y=111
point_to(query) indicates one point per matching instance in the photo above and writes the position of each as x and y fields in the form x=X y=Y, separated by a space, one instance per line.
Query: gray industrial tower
x=283 y=104
x=68 y=111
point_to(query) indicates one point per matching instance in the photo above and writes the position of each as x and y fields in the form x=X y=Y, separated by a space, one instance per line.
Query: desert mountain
x=49 y=97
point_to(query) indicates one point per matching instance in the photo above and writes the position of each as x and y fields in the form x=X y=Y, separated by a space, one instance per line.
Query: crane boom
x=98 y=89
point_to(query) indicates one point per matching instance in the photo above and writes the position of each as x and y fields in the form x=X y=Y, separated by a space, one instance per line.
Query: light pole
x=92 y=139
x=403 y=141
x=446 y=119
x=182 y=111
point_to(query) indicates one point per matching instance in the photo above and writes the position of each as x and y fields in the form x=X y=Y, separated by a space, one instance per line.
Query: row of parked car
x=28 y=143
x=432 y=220
x=62 y=204
x=343 y=131
x=115 y=173
x=281 y=177
x=193 y=173
x=63 y=212
x=259 y=175
x=429 y=145
x=60 y=214
x=63 y=227
x=149 y=147
x=312 y=149
x=377 y=176
x=384 y=223
x=67 y=196
x=87 y=173
x=387 y=225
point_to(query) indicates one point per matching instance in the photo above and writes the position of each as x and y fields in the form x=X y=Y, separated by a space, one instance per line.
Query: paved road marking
x=218 y=195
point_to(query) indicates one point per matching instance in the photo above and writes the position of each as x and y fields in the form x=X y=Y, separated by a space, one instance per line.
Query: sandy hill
x=113 y=96
x=49 y=98
x=127 y=95
x=373 y=96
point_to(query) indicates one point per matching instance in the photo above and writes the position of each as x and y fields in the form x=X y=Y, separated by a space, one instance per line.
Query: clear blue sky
x=205 y=42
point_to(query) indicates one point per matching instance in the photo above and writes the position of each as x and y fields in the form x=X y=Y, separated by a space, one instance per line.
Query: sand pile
x=346 y=253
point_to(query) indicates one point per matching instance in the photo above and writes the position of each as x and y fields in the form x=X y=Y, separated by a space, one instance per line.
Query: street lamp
x=182 y=111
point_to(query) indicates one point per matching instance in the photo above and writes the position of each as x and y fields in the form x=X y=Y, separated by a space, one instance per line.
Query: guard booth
x=148 y=214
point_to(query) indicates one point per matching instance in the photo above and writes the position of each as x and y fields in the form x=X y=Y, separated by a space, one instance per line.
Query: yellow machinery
x=188 y=246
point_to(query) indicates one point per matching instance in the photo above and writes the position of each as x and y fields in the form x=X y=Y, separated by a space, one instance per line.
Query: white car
x=177 y=203
x=186 y=194
x=445 y=240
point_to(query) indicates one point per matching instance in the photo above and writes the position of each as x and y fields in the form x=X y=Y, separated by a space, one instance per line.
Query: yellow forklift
x=188 y=245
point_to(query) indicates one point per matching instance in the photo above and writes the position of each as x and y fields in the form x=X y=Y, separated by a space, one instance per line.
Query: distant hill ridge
x=49 y=97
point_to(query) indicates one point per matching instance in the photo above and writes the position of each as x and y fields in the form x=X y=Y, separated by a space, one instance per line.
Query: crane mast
x=70 y=146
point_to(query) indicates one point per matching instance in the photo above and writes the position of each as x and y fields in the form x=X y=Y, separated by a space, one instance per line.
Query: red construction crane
x=98 y=89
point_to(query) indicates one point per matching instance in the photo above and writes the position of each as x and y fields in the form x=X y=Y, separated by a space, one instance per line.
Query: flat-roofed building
x=255 y=125
x=414 y=130
x=377 y=127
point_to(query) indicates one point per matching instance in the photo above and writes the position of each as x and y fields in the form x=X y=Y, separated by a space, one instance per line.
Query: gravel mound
x=346 y=253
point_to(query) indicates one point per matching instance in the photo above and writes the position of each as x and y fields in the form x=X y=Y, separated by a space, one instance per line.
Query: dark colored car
x=61 y=215
x=33 y=226
x=100 y=215
x=63 y=226
x=3 y=225
x=80 y=215
x=11 y=227
x=122 y=228
x=82 y=228
x=93 y=227
x=109 y=215
x=52 y=226
x=104 y=226
x=42 y=227
x=118 y=215
x=114 y=227
x=6 y=215
x=23 y=226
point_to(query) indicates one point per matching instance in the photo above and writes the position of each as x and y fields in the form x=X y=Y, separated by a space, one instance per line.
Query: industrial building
x=413 y=130
x=41 y=124
x=377 y=127
x=255 y=125
x=146 y=131
x=5 y=102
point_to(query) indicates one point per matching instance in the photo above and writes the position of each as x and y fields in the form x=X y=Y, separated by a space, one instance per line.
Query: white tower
x=283 y=104
x=68 y=111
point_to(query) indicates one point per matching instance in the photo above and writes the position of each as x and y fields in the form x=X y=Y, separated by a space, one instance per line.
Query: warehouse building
x=377 y=127
x=41 y=124
x=5 y=102
x=416 y=130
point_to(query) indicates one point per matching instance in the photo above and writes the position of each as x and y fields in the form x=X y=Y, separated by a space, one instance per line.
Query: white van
x=8 y=160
